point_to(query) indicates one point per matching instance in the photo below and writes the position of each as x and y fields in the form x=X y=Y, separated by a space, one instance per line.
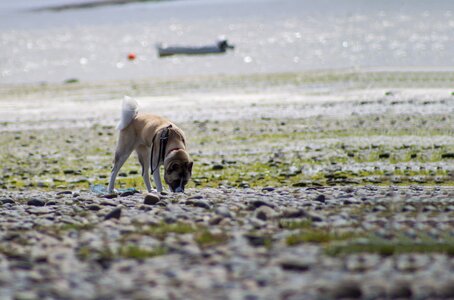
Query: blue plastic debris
x=102 y=190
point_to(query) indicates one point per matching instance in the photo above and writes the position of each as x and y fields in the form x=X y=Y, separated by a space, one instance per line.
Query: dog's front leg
x=157 y=180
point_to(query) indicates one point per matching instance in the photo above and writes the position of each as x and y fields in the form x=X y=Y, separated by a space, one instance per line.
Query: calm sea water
x=269 y=35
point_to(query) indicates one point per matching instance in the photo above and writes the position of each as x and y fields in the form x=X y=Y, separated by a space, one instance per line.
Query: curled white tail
x=129 y=110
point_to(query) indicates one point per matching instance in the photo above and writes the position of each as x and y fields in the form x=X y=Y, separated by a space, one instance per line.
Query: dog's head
x=177 y=170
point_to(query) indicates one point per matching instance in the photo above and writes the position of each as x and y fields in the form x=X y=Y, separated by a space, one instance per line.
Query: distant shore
x=90 y=4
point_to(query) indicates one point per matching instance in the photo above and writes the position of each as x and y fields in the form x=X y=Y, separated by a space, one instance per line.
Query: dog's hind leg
x=124 y=148
x=143 y=153
x=157 y=180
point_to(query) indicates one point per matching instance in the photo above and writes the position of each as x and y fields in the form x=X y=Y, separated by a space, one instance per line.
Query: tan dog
x=157 y=141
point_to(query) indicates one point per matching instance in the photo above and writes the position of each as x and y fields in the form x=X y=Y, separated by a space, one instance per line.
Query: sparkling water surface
x=270 y=36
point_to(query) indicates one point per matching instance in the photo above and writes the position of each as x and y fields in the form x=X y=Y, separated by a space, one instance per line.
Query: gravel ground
x=228 y=243
x=295 y=195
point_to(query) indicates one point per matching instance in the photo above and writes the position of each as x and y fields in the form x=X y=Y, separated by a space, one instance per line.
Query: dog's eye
x=174 y=167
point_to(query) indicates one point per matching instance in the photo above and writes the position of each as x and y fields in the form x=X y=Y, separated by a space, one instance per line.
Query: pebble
x=215 y=220
x=400 y=290
x=94 y=207
x=151 y=199
x=292 y=212
x=315 y=217
x=39 y=210
x=346 y=289
x=237 y=240
x=198 y=203
x=65 y=193
x=7 y=201
x=446 y=290
x=108 y=203
x=293 y=264
x=320 y=198
x=110 y=196
x=256 y=203
x=36 y=202
x=114 y=214
x=265 y=213
x=224 y=212
x=127 y=193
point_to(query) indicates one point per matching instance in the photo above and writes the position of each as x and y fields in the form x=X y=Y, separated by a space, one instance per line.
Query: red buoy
x=131 y=56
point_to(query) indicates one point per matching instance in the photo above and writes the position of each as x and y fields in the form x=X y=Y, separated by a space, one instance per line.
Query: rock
x=215 y=220
x=198 y=203
x=114 y=214
x=151 y=199
x=315 y=217
x=127 y=193
x=108 y=203
x=224 y=212
x=292 y=212
x=256 y=240
x=293 y=264
x=65 y=193
x=217 y=167
x=36 y=202
x=268 y=189
x=202 y=203
x=320 y=198
x=265 y=213
x=244 y=185
x=110 y=196
x=51 y=202
x=256 y=203
x=351 y=201
x=7 y=201
x=162 y=203
x=39 y=210
x=408 y=208
x=400 y=290
x=346 y=290
x=446 y=290
x=93 y=207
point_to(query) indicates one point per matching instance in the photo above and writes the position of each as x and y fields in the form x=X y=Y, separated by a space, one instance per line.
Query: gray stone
x=256 y=203
x=400 y=290
x=224 y=212
x=114 y=214
x=36 y=202
x=65 y=193
x=265 y=213
x=346 y=289
x=151 y=199
x=198 y=203
x=94 y=207
x=294 y=264
x=292 y=212
x=7 y=201
x=320 y=198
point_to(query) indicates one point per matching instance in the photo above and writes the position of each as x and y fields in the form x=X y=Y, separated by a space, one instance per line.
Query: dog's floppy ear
x=190 y=167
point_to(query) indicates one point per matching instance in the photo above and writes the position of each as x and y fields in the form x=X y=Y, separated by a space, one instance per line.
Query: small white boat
x=221 y=46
